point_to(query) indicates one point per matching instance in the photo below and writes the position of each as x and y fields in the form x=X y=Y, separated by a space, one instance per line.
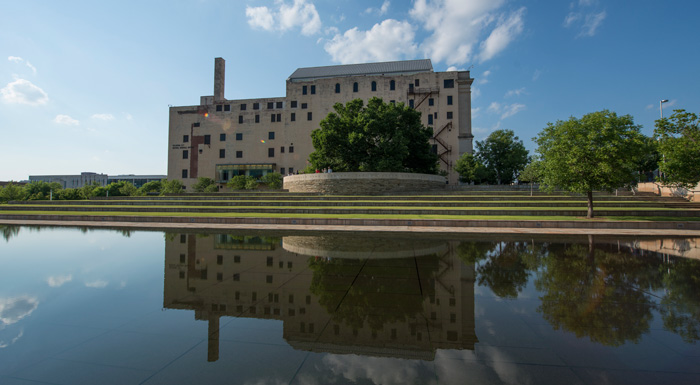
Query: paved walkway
x=405 y=229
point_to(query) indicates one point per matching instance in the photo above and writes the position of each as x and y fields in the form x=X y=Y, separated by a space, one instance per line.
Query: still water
x=147 y=307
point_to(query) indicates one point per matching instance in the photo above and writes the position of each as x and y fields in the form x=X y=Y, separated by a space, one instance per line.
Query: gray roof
x=390 y=67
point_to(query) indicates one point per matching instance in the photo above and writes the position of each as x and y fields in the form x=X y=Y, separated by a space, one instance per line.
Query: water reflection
x=333 y=293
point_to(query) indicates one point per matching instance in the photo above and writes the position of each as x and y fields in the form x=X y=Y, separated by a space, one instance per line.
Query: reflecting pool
x=84 y=306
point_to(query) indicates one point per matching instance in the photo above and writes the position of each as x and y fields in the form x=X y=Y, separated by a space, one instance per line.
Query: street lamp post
x=661 y=107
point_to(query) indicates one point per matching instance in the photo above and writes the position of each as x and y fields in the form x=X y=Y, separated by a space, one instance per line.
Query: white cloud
x=536 y=75
x=517 y=92
x=66 y=120
x=59 y=280
x=103 y=116
x=505 y=110
x=504 y=33
x=484 y=78
x=458 y=26
x=389 y=40
x=583 y=19
x=97 y=284
x=593 y=21
x=15 y=59
x=301 y=14
x=475 y=112
x=14 y=309
x=379 y=11
x=22 y=91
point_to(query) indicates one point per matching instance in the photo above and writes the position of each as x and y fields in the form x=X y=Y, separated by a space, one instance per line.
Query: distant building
x=87 y=178
x=136 y=180
x=221 y=138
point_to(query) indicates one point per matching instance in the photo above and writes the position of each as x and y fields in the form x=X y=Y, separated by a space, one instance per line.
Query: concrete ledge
x=356 y=183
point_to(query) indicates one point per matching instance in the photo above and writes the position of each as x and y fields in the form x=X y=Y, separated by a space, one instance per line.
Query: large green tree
x=471 y=169
x=503 y=155
x=679 y=144
x=380 y=136
x=600 y=151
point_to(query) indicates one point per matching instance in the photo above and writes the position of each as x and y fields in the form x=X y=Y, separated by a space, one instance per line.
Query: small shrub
x=273 y=180
x=251 y=183
x=237 y=182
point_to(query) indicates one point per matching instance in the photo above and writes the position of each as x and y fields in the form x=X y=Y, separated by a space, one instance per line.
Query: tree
x=151 y=187
x=503 y=155
x=205 y=184
x=273 y=180
x=39 y=190
x=239 y=182
x=679 y=144
x=382 y=136
x=470 y=169
x=172 y=186
x=70 y=194
x=531 y=173
x=600 y=151
x=12 y=192
x=649 y=160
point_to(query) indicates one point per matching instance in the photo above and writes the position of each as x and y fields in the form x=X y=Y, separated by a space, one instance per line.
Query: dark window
x=374 y=86
x=282 y=150
x=392 y=101
x=449 y=114
x=293 y=117
x=227 y=107
x=355 y=87
x=291 y=169
x=271 y=135
x=279 y=104
x=337 y=88
x=183 y=239
x=417 y=82
x=257 y=118
x=270 y=152
x=449 y=100
x=185 y=154
x=222 y=153
x=431 y=102
x=222 y=137
x=196 y=124
x=304 y=106
x=184 y=174
x=219 y=107
x=392 y=85
x=239 y=154
x=279 y=117
x=291 y=150
x=239 y=136
x=185 y=138
x=308 y=116
x=256 y=106
x=410 y=103
x=303 y=90
x=243 y=106
x=449 y=83
x=240 y=118
x=282 y=170
x=270 y=105
x=294 y=104
x=207 y=139
x=430 y=119
x=313 y=90
x=272 y=118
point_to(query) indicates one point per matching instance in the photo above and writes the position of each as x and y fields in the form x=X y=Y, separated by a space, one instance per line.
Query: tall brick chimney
x=219 y=77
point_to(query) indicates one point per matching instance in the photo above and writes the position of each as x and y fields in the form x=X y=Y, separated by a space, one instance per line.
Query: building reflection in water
x=335 y=293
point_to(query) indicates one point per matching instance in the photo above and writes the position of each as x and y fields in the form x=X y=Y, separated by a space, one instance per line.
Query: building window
x=240 y=119
x=313 y=90
x=243 y=107
x=185 y=154
x=294 y=104
x=337 y=88
x=303 y=90
x=293 y=117
x=207 y=139
x=417 y=83
x=291 y=169
x=279 y=104
x=431 y=102
x=449 y=83
x=304 y=106
x=219 y=108
x=227 y=107
x=291 y=150
x=270 y=152
x=392 y=101
x=282 y=150
x=374 y=86
x=185 y=138
x=449 y=100
x=239 y=136
x=271 y=135
x=355 y=87
x=256 y=106
x=410 y=103
x=282 y=170
x=279 y=117
x=222 y=137
x=449 y=114
x=430 y=119
x=272 y=118
x=196 y=124
x=184 y=174
x=239 y=154
x=257 y=118
x=270 y=105
x=222 y=153
x=308 y=116
x=392 y=85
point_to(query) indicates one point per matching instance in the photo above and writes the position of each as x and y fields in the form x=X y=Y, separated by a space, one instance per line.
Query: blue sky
x=85 y=85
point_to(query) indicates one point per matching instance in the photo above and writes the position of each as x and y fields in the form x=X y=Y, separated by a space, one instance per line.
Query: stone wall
x=670 y=191
x=359 y=183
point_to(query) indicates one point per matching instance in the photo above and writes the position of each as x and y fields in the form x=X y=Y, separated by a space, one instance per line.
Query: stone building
x=220 y=138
